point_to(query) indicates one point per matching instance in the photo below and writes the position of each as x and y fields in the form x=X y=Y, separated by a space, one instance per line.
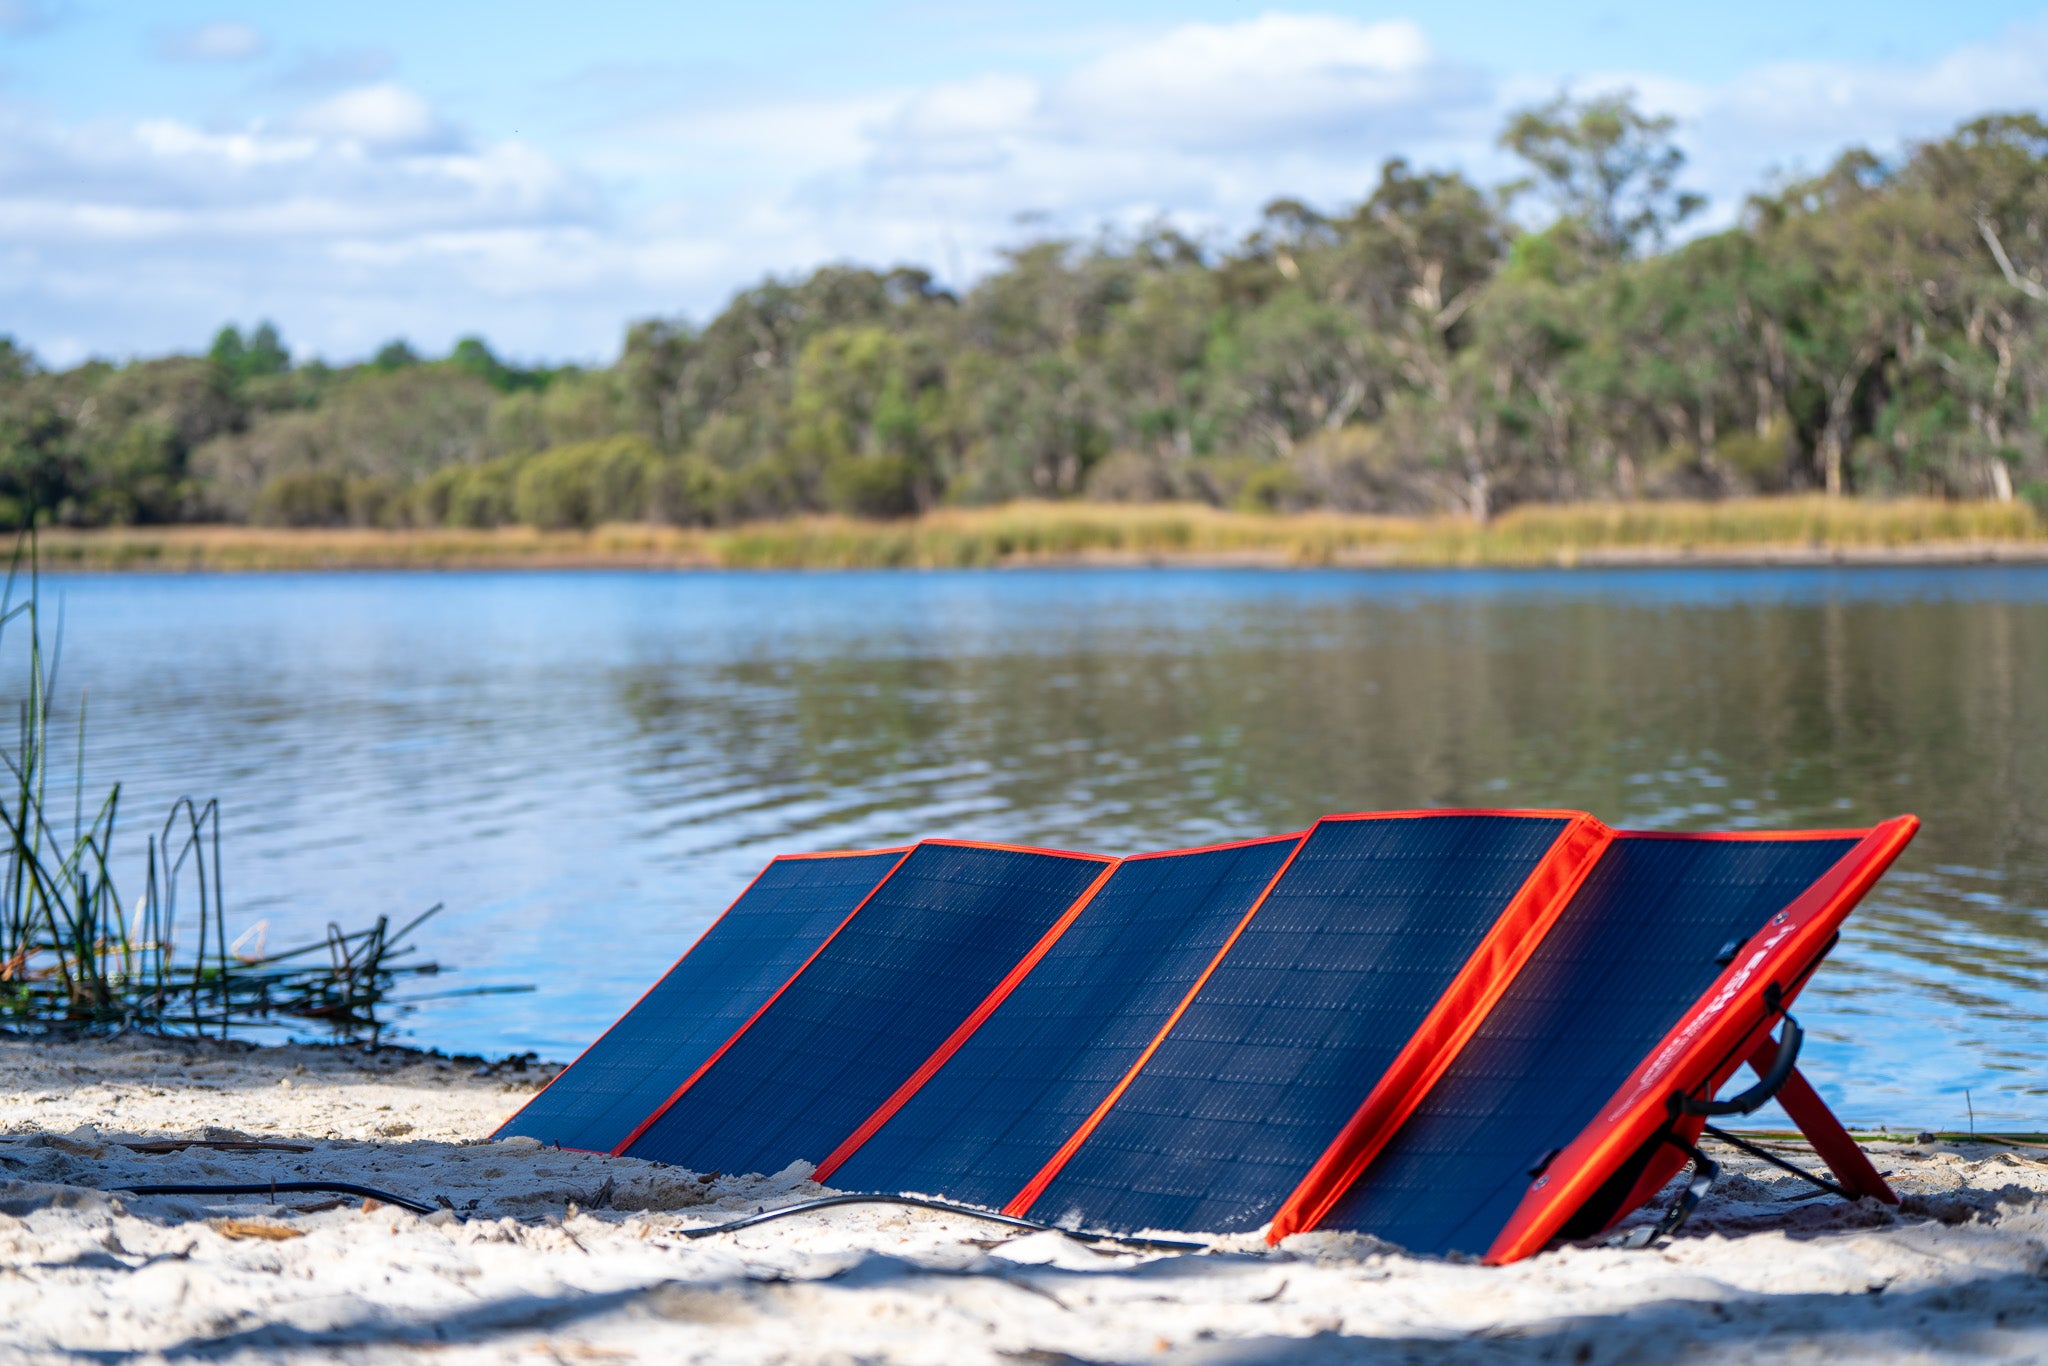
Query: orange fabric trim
x=1774 y=836
x=1016 y=849
x=779 y=858
x=843 y=853
x=1035 y=1187
x=1449 y=1026
x=630 y=1139
x=1215 y=848
x=958 y=1038
x=1705 y=1046
x=929 y=1068
x=1667 y=1161
x=1538 y=812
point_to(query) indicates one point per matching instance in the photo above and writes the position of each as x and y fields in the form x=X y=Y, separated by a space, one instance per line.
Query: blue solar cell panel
x=1353 y=947
x=937 y=936
x=728 y=975
x=1002 y=1105
x=1633 y=951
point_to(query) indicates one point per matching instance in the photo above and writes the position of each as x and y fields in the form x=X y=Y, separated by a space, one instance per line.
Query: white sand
x=575 y=1258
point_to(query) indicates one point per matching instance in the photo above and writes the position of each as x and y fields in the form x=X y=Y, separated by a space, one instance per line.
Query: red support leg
x=1849 y=1163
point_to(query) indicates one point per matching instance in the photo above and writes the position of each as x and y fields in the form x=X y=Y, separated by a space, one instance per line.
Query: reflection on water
x=587 y=767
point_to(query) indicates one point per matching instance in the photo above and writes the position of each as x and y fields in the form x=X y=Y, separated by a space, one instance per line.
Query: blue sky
x=544 y=174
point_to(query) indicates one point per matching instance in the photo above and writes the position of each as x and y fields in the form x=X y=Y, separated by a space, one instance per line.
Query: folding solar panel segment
x=999 y=1107
x=1587 y=1181
x=1329 y=979
x=1646 y=936
x=789 y=909
x=940 y=933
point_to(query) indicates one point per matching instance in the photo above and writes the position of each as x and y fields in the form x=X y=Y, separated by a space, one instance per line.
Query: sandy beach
x=538 y=1254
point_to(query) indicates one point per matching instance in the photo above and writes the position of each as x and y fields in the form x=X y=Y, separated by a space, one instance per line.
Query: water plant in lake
x=75 y=955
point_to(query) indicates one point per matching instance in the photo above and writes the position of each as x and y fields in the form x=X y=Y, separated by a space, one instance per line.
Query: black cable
x=759 y=1217
x=918 y=1202
x=1776 y=1161
x=286 y=1187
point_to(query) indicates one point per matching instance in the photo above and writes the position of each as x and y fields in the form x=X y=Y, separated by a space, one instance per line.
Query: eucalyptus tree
x=1608 y=168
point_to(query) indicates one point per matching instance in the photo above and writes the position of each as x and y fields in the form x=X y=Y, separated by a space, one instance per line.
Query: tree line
x=1874 y=329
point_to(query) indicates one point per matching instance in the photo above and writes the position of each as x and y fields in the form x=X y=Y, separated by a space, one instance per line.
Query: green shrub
x=304 y=498
x=686 y=491
x=1270 y=488
x=872 y=485
x=430 y=497
x=765 y=488
x=587 y=483
x=483 y=496
x=468 y=495
x=1762 y=461
x=378 y=502
x=1130 y=476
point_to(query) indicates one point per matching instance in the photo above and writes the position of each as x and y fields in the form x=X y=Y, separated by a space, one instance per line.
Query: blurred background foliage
x=1875 y=329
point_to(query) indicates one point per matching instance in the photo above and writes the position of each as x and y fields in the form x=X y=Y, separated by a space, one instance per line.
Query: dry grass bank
x=1761 y=530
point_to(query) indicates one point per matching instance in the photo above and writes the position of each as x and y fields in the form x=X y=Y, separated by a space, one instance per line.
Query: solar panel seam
x=966 y=1029
x=1486 y=975
x=698 y=1072
x=938 y=935
x=1254 y=1020
x=1047 y=1050
x=1527 y=1015
x=1034 y=1189
x=752 y=947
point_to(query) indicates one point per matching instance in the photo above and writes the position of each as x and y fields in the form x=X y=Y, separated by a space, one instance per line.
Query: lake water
x=586 y=767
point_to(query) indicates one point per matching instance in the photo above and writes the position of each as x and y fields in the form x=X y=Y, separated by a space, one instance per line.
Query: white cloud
x=1795 y=117
x=368 y=213
x=785 y=140
x=169 y=139
x=385 y=116
x=1248 y=84
x=347 y=225
x=1203 y=121
x=223 y=41
x=989 y=105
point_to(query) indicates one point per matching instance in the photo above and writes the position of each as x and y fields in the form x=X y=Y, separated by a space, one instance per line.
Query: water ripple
x=587 y=767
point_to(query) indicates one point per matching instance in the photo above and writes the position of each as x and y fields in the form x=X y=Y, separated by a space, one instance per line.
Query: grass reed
x=75 y=955
x=1752 y=529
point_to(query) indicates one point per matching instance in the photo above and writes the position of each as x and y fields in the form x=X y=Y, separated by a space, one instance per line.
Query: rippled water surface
x=588 y=766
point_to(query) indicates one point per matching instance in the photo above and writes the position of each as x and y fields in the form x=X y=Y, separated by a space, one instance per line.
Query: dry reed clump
x=1042 y=532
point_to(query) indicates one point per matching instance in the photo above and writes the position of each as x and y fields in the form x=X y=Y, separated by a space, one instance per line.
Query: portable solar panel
x=999 y=1106
x=898 y=978
x=1463 y=1031
x=1647 y=935
x=1325 y=987
x=731 y=972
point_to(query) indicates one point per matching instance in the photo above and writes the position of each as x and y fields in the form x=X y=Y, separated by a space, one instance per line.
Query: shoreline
x=1778 y=532
x=539 y=1253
